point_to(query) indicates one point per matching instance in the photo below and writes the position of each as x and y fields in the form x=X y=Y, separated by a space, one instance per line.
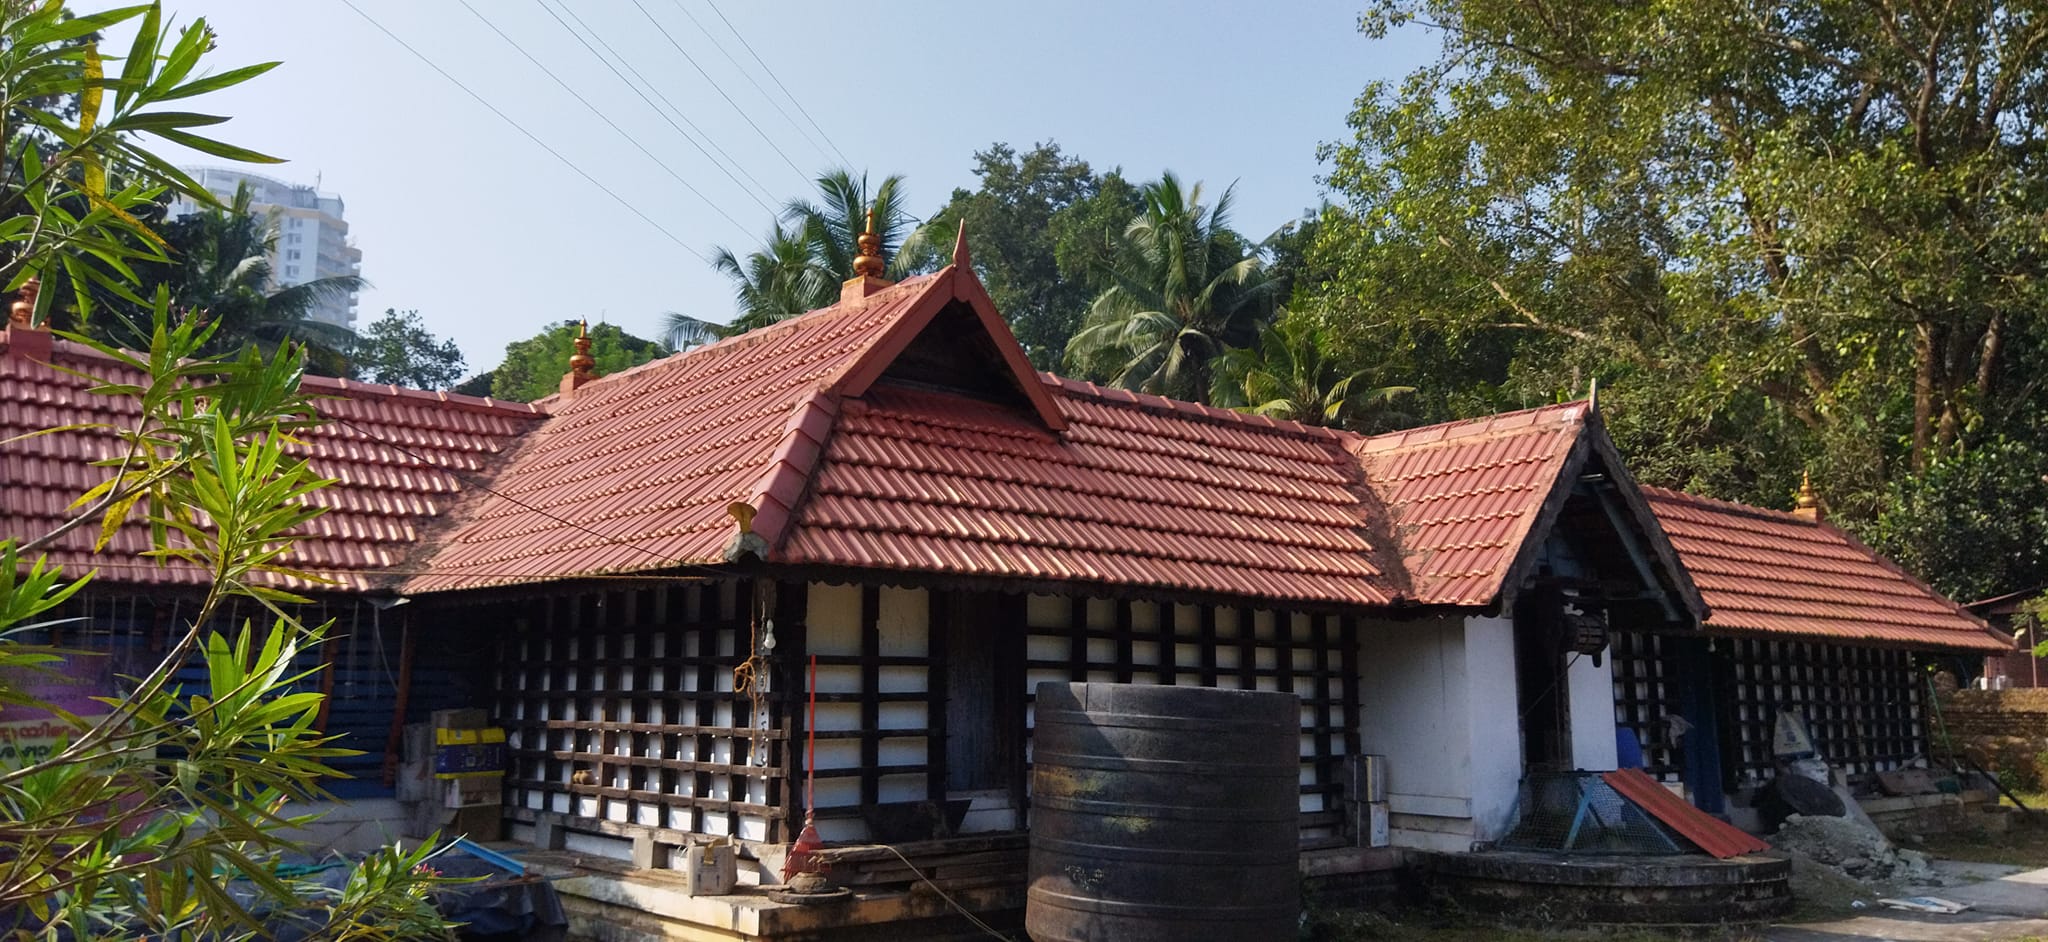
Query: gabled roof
x=1771 y=573
x=635 y=471
x=1138 y=491
x=1469 y=502
x=400 y=457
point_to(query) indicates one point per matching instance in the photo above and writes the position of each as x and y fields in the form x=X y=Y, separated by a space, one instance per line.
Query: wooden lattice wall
x=1312 y=656
x=1864 y=706
x=1646 y=694
x=620 y=711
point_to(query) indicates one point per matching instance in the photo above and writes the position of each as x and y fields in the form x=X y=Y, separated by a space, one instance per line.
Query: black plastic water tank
x=1164 y=813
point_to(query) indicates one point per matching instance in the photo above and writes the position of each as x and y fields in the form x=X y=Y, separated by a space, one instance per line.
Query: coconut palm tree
x=1287 y=376
x=219 y=269
x=833 y=223
x=781 y=280
x=1183 y=288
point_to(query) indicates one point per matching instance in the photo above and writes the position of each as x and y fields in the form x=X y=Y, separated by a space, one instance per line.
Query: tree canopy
x=1039 y=227
x=533 y=367
x=1808 y=237
x=398 y=349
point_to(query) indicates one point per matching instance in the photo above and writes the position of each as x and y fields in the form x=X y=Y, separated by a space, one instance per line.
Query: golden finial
x=23 y=313
x=960 y=257
x=1807 y=505
x=581 y=364
x=868 y=264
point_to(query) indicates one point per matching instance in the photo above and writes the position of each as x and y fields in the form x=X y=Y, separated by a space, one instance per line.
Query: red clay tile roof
x=635 y=470
x=1767 y=572
x=1138 y=491
x=1462 y=496
x=399 y=457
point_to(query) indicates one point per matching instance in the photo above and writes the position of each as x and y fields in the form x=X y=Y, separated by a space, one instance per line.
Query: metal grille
x=1578 y=813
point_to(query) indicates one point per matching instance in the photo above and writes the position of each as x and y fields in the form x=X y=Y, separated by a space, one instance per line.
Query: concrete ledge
x=612 y=905
x=1342 y=860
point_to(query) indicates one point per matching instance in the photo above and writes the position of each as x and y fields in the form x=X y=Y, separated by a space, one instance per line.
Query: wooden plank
x=938 y=621
x=870 y=689
x=706 y=683
x=792 y=611
x=1122 y=638
x=1206 y=636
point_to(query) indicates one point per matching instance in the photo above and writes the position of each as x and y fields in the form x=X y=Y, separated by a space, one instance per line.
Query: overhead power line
x=601 y=116
x=778 y=82
x=719 y=89
x=749 y=76
x=566 y=162
x=660 y=109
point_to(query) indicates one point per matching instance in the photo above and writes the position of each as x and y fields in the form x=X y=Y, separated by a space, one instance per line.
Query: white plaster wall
x=1494 y=723
x=1413 y=698
x=1591 y=690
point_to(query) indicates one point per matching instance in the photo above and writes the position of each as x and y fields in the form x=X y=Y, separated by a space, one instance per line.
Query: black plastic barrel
x=1164 y=813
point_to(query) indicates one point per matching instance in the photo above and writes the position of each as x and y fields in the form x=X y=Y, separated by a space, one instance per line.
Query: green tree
x=219 y=269
x=1807 y=236
x=478 y=385
x=533 y=367
x=781 y=280
x=1183 y=288
x=833 y=223
x=1038 y=227
x=80 y=173
x=1973 y=525
x=134 y=823
x=398 y=349
x=1288 y=375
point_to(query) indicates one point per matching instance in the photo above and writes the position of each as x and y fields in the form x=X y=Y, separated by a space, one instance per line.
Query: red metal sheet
x=1718 y=838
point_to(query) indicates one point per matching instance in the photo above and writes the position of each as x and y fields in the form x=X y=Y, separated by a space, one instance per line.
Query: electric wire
x=719 y=89
x=713 y=4
x=566 y=162
x=749 y=76
x=601 y=116
x=401 y=449
x=660 y=109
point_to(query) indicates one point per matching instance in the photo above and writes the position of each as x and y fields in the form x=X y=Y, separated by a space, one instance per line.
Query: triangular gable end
x=961 y=308
x=952 y=313
x=1594 y=469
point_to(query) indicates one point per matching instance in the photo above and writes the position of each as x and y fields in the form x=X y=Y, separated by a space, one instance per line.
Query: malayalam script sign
x=28 y=734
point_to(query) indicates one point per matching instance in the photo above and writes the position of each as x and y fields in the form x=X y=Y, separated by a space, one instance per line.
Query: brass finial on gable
x=867 y=266
x=23 y=313
x=582 y=365
x=960 y=257
x=1807 y=506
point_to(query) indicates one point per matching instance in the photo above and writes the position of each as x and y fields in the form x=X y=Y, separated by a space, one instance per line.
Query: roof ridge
x=347 y=388
x=1128 y=399
x=353 y=389
x=762 y=333
x=1734 y=506
x=1461 y=430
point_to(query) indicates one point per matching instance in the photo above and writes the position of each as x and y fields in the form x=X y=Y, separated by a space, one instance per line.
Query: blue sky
x=466 y=219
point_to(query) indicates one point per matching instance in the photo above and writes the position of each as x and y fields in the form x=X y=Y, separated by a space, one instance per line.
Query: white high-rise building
x=312 y=237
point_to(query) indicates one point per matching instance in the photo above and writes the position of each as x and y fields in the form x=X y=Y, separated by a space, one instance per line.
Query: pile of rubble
x=1855 y=848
